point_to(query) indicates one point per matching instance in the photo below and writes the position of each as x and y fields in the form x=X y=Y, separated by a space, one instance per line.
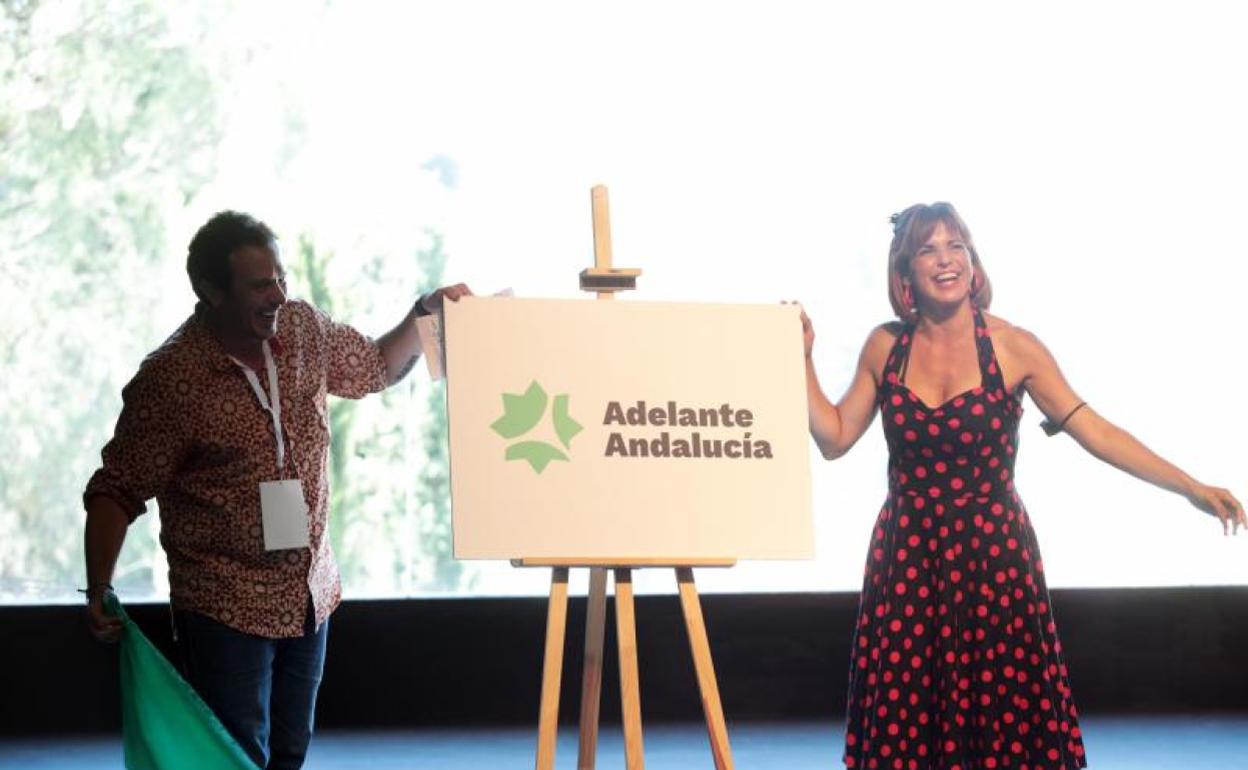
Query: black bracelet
x=108 y=587
x=421 y=310
x=1052 y=429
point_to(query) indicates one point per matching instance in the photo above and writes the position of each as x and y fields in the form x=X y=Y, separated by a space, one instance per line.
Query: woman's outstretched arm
x=1046 y=385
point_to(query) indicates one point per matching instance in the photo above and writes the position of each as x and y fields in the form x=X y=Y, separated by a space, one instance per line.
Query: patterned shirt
x=193 y=434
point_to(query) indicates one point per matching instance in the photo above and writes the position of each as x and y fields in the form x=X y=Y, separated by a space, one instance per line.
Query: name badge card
x=284 y=514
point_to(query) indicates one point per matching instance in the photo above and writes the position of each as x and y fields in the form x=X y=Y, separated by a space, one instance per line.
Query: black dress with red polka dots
x=956 y=663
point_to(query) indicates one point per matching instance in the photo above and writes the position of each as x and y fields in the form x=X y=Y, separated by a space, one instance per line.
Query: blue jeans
x=262 y=690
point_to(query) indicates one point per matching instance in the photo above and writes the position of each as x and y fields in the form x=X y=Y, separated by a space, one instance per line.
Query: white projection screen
x=753 y=153
x=1104 y=200
x=1103 y=187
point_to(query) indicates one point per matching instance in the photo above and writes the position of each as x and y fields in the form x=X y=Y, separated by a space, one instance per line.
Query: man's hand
x=432 y=302
x=400 y=347
x=102 y=626
x=102 y=541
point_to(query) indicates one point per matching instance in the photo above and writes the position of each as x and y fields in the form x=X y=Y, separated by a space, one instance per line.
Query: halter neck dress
x=956 y=664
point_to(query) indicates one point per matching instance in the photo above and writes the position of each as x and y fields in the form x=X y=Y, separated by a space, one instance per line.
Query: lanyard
x=273 y=403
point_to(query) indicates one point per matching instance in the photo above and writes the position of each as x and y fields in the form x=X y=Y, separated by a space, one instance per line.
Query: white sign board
x=623 y=429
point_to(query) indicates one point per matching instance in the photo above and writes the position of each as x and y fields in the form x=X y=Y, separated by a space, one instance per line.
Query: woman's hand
x=808 y=329
x=1219 y=502
x=808 y=333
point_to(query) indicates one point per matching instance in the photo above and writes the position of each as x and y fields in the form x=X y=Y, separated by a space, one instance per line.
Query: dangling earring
x=907 y=300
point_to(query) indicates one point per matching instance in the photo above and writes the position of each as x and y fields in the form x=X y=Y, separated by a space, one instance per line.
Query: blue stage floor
x=1179 y=742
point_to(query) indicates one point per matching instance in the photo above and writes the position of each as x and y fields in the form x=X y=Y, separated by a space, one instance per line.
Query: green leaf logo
x=565 y=426
x=521 y=413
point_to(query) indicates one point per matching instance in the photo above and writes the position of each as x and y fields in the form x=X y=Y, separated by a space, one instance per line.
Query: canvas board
x=626 y=429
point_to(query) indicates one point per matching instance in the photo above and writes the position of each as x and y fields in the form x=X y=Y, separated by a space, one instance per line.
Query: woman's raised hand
x=808 y=329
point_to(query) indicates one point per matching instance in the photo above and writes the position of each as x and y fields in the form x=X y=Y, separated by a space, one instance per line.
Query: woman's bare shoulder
x=880 y=343
x=1013 y=339
x=997 y=324
x=885 y=334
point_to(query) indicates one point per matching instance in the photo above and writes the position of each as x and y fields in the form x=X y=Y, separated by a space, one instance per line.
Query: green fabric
x=164 y=723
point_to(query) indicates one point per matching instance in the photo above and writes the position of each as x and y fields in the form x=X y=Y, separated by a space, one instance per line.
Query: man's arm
x=105 y=533
x=147 y=446
x=400 y=347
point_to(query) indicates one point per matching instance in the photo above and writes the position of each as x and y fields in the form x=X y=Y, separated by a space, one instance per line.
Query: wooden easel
x=606 y=280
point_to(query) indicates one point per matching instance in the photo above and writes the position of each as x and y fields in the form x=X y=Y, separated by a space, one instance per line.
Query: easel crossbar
x=625 y=562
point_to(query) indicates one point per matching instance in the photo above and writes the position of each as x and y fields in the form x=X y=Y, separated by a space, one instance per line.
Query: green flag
x=164 y=723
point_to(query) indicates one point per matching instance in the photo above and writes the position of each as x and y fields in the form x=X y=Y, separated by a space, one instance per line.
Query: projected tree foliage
x=112 y=115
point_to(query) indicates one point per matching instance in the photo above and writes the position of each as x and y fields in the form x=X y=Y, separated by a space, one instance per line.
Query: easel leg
x=702 y=663
x=552 y=668
x=630 y=684
x=591 y=678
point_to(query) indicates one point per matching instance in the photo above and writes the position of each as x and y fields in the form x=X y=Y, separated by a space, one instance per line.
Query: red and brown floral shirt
x=193 y=435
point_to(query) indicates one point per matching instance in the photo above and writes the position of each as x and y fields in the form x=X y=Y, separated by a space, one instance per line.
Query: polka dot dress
x=956 y=664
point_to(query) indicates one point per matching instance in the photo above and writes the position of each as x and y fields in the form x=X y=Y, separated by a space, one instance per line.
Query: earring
x=907 y=300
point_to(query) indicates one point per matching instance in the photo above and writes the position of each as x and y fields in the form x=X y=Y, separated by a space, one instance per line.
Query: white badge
x=284 y=514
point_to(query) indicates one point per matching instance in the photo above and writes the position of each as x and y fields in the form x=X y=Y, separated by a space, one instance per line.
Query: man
x=225 y=424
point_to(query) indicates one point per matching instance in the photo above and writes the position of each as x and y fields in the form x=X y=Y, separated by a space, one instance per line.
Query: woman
x=956 y=662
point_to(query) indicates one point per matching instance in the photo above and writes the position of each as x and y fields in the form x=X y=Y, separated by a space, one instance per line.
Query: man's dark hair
x=208 y=257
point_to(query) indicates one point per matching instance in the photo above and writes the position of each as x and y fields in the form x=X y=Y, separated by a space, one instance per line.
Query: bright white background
x=753 y=153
